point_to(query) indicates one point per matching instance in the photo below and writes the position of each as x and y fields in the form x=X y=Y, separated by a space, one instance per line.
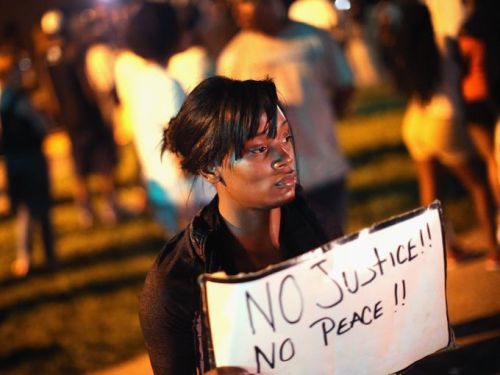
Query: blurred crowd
x=116 y=73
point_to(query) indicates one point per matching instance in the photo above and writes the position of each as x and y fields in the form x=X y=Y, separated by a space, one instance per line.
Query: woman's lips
x=288 y=181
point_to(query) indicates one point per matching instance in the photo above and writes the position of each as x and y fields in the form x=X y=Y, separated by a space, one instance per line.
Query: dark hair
x=153 y=32
x=217 y=118
x=416 y=63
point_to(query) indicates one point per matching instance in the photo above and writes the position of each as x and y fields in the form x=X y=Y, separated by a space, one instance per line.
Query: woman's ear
x=212 y=174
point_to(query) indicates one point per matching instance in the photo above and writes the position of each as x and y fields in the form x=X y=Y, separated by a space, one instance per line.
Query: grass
x=382 y=180
x=83 y=317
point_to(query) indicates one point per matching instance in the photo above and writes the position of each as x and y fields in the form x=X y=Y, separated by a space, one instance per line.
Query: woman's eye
x=288 y=138
x=258 y=150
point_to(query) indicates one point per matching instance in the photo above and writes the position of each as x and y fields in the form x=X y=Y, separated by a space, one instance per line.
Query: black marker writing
x=374 y=275
x=269 y=317
x=286 y=353
x=287 y=300
x=340 y=296
x=397 y=292
x=366 y=316
x=356 y=282
x=380 y=262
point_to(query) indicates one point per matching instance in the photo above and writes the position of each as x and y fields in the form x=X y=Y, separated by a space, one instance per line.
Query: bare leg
x=483 y=141
x=82 y=197
x=21 y=265
x=481 y=200
x=426 y=174
x=110 y=214
x=47 y=238
x=427 y=181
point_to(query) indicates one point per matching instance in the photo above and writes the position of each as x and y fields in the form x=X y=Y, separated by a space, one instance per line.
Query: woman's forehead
x=264 y=123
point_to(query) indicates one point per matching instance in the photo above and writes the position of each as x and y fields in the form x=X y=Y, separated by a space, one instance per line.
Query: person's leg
x=482 y=137
x=47 y=237
x=482 y=204
x=427 y=182
x=21 y=264
x=82 y=154
x=110 y=212
x=82 y=198
x=497 y=146
x=426 y=176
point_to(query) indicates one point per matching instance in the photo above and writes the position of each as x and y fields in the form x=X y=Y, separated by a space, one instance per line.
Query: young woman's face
x=265 y=176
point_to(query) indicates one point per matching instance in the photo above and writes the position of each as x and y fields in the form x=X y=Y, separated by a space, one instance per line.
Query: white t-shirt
x=190 y=67
x=307 y=65
x=318 y=13
x=99 y=63
x=151 y=98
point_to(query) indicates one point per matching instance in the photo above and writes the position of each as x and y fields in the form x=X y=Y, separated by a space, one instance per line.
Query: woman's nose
x=283 y=157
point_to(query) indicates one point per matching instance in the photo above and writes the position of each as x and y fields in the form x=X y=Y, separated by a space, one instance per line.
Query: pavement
x=136 y=366
x=473 y=296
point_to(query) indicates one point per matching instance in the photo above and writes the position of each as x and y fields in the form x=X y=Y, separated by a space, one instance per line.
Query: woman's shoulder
x=182 y=257
x=176 y=258
x=173 y=274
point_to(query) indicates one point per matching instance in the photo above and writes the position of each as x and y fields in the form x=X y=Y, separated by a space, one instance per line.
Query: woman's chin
x=286 y=196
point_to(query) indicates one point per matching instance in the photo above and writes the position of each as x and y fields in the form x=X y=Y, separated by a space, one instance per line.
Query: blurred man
x=93 y=146
x=22 y=131
x=315 y=84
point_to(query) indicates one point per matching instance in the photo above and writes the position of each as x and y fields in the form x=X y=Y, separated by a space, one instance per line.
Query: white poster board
x=370 y=303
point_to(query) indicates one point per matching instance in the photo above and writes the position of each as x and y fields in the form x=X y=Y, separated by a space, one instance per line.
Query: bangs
x=243 y=113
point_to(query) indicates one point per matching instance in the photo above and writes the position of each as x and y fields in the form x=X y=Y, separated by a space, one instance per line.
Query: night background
x=81 y=316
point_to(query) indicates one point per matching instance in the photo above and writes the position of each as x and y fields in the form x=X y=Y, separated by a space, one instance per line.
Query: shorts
x=430 y=137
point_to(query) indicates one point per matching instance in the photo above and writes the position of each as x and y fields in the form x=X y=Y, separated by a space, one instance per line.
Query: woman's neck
x=257 y=231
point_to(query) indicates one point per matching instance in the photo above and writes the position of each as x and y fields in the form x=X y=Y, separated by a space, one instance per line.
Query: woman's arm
x=166 y=312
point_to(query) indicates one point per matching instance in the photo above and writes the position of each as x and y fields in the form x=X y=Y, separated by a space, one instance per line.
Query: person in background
x=93 y=147
x=433 y=128
x=316 y=85
x=151 y=97
x=22 y=134
x=321 y=14
x=347 y=27
x=235 y=135
x=478 y=42
x=207 y=26
x=99 y=65
x=193 y=63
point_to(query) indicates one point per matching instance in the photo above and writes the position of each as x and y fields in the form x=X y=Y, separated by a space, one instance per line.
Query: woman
x=479 y=52
x=433 y=129
x=233 y=134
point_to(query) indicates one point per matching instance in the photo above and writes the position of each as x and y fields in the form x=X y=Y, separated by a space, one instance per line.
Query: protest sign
x=370 y=303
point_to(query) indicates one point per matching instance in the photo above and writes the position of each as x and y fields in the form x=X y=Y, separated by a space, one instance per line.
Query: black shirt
x=170 y=302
